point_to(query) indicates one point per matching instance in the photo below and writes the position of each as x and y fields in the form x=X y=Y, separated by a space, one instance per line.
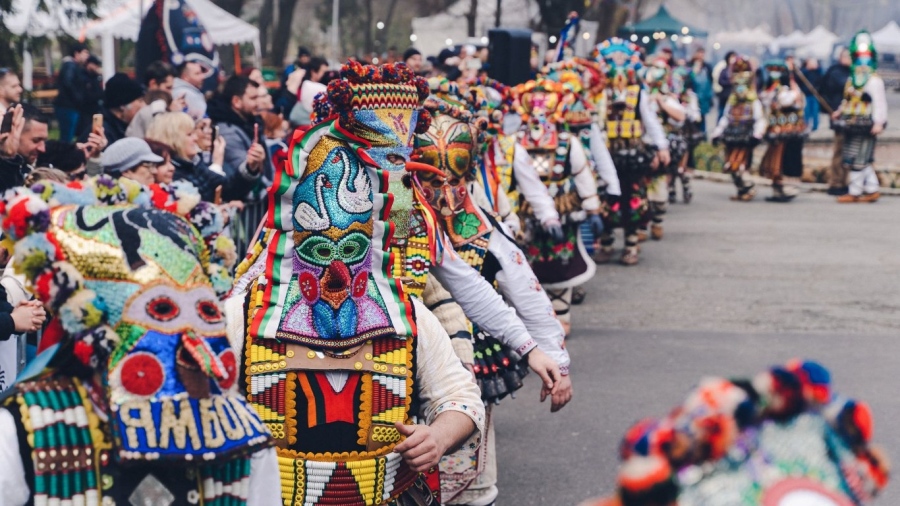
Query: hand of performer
x=28 y=316
x=716 y=141
x=664 y=157
x=545 y=367
x=877 y=128
x=562 y=396
x=426 y=444
x=554 y=228
x=836 y=115
x=596 y=223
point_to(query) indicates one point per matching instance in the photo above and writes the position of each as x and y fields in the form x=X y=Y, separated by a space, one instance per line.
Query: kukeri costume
x=741 y=128
x=692 y=134
x=666 y=104
x=563 y=167
x=625 y=115
x=134 y=398
x=337 y=351
x=862 y=115
x=782 y=437
x=784 y=104
x=451 y=144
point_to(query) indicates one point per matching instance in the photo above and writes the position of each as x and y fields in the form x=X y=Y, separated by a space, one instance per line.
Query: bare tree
x=282 y=30
x=471 y=17
x=266 y=15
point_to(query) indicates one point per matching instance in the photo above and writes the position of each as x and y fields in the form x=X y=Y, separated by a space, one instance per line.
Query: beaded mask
x=656 y=76
x=450 y=144
x=129 y=295
x=864 y=58
x=742 y=79
x=622 y=65
x=583 y=79
x=380 y=106
x=326 y=282
x=542 y=105
x=782 y=437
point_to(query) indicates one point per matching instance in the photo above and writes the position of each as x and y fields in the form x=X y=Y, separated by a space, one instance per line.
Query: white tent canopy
x=433 y=32
x=887 y=40
x=758 y=36
x=819 y=44
x=124 y=22
x=791 y=40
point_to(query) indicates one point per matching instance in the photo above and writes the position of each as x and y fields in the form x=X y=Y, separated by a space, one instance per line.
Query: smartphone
x=97 y=125
x=215 y=133
x=6 y=126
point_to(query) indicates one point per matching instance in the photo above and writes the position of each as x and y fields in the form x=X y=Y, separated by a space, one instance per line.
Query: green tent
x=661 y=22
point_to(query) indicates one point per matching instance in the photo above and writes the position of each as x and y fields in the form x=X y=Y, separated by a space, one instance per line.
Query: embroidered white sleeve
x=603 y=160
x=521 y=287
x=443 y=383
x=14 y=489
x=264 y=479
x=531 y=187
x=651 y=123
x=480 y=302
x=585 y=183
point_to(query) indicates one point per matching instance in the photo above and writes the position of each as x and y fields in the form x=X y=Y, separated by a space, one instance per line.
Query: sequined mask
x=335 y=298
x=622 y=59
x=450 y=146
x=864 y=58
x=129 y=295
x=540 y=129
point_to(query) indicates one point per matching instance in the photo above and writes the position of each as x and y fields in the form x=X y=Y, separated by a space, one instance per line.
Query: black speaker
x=509 y=55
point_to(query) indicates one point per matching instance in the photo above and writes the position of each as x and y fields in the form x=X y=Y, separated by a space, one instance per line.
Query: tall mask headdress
x=129 y=294
x=452 y=144
x=864 y=58
x=584 y=79
x=542 y=104
x=327 y=274
x=623 y=61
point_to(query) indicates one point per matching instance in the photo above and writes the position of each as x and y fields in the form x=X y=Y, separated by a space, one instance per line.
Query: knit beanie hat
x=121 y=90
x=126 y=154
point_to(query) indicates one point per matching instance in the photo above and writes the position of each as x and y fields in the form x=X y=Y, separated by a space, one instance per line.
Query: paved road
x=731 y=289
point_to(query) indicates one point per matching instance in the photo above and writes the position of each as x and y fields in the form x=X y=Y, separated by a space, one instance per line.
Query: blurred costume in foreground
x=781 y=438
x=741 y=128
x=134 y=396
x=337 y=352
x=861 y=117
x=784 y=104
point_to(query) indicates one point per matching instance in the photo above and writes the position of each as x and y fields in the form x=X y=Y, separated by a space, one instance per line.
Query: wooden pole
x=237 y=59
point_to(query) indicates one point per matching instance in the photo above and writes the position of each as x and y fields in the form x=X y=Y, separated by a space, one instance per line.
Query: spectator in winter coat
x=233 y=111
x=832 y=90
x=813 y=75
x=20 y=149
x=176 y=130
x=188 y=86
x=122 y=99
x=93 y=94
x=71 y=86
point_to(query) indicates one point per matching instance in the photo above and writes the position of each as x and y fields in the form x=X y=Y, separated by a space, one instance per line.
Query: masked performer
x=784 y=103
x=780 y=438
x=625 y=113
x=692 y=134
x=341 y=361
x=741 y=128
x=861 y=117
x=134 y=398
x=666 y=103
x=563 y=166
x=451 y=144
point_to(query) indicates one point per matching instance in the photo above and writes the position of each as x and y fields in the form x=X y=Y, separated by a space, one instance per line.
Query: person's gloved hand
x=554 y=228
x=596 y=223
x=716 y=141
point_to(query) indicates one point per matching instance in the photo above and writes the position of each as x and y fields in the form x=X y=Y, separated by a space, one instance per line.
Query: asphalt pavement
x=731 y=289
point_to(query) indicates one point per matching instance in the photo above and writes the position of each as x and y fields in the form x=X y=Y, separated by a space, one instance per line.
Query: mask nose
x=195 y=353
x=336 y=284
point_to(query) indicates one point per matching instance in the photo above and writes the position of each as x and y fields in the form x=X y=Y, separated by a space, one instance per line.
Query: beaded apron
x=74 y=461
